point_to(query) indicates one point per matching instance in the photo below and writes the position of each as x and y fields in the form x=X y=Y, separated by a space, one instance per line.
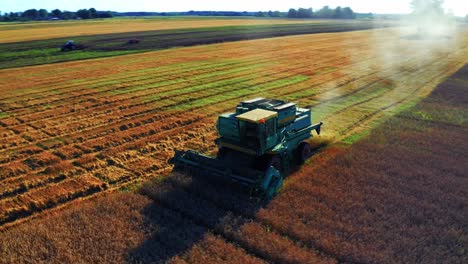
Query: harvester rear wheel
x=221 y=153
x=276 y=162
x=303 y=152
x=264 y=162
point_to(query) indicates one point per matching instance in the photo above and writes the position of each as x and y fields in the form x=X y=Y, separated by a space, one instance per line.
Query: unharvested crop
x=34 y=52
x=46 y=30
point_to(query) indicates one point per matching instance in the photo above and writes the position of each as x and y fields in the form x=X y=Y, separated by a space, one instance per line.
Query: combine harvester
x=258 y=144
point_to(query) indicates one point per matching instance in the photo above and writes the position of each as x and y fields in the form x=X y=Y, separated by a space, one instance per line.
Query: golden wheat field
x=87 y=136
x=72 y=130
x=47 y=30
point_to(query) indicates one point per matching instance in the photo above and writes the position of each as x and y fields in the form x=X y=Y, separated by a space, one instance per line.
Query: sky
x=458 y=7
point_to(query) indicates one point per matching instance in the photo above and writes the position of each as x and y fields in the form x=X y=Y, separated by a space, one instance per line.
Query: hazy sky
x=459 y=7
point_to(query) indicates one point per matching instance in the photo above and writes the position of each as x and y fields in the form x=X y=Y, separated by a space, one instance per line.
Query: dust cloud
x=404 y=60
x=424 y=35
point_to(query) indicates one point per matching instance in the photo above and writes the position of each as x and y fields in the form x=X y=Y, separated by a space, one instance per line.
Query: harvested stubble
x=132 y=111
x=393 y=196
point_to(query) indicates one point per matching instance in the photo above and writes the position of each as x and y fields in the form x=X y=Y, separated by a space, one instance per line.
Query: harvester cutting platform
x=258 y=144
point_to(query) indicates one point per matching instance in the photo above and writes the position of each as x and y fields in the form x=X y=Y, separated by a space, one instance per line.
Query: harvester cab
x=258 y=143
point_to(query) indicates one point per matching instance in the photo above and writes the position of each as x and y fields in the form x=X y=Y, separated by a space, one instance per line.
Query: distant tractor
x=133 y=41
x=258 y=144
x=71 y=45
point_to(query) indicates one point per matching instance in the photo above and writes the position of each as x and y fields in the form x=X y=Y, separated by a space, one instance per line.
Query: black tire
x=303 y=152
x=276 y=162
x=273 y=187
x=221 y=153
x=264 y=162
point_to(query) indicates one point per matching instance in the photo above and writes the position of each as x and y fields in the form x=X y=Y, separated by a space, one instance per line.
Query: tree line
x=324 y=12
x=43 y=14
x=205 y=13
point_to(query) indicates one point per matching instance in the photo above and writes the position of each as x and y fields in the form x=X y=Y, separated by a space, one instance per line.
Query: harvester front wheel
x=303 y=152
x=275 y=184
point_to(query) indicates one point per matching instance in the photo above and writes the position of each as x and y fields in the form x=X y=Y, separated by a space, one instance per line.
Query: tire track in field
x=410 y=96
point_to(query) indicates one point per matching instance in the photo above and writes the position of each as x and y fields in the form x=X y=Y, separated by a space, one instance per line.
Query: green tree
x=325 y=12
x=30 y=14
x=56 y=13
x=292 y=13
x=92 y=13
x=338 y=13
x=13 y=16
x=348 y=13
x=107 y=14
x=260 y=14
x=83 y=13
x=304 y=13
x=42 y=13
x=67 y=15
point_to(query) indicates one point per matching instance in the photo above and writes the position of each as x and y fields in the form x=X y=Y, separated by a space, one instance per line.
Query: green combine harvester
x=258 y=144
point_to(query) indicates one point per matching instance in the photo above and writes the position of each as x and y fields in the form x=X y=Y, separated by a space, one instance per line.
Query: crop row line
x=128 y=142
x=158 y=109
x=136 y=105
x=381 y=110
x=169 y=73
x=126 y=75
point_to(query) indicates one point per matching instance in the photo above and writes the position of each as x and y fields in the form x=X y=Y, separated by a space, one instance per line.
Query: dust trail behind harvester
x=426 y=33
x=406 y=61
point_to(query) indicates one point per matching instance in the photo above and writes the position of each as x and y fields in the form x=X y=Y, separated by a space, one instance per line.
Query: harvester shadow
x=186 y=209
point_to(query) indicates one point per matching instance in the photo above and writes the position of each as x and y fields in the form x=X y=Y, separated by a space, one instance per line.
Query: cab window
x=270 y=127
